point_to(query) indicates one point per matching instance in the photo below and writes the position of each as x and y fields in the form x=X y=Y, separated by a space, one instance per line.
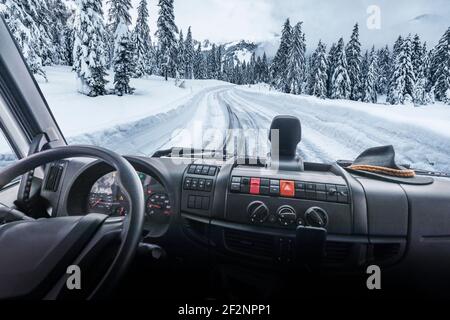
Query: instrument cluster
x=107 y=197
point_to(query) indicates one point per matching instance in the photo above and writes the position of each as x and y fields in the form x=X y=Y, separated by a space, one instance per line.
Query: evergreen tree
x=123 y=61
x=332 y=61
x=89 y=48
x=181 y=58
x=59 y=29
x=370 y=79
x=189 y=55
x=384 y=70
x=166 y=36
x=118 y=13
x=279 y=64
x=340 y=82
x=218 y=61
x=417 y=55
x=353 y=53
x=319 y=72
x=296 y=63
x=440 y=68
x=402 y=81
x=265 y=76
x=25 y=21
x=143 y=51
x=199 y=63
x=211 y=64
x=117 y=10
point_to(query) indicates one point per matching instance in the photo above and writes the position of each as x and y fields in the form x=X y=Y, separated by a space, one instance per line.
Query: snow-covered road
x=331 y=129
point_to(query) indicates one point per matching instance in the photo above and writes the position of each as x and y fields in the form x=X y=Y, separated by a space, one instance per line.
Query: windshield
x=137 y=76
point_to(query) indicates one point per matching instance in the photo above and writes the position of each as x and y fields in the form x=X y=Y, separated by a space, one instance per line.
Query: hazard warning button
x=287 y=188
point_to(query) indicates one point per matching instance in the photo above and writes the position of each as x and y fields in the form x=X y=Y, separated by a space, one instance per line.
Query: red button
x=254 y=185
x=287 y=188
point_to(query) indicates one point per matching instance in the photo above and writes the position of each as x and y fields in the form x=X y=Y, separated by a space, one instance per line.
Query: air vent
x=385 y=251
x=53 y=177
x=248 y=243
x=337 y=252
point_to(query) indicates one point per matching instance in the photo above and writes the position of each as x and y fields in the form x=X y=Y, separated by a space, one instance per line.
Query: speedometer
x=106 y=197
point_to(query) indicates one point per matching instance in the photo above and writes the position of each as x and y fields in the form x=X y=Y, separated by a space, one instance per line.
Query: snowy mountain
x=240 y=50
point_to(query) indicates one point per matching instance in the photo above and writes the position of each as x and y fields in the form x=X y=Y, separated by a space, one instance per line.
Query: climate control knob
x=286 y=215
x=258 y=212
x=316 y=217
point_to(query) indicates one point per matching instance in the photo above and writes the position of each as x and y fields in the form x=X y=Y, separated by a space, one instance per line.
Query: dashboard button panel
x=290 y=189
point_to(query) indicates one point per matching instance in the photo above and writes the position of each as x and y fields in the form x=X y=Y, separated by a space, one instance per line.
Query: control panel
x=198 y=187
x=289 y=200
x=290 y=189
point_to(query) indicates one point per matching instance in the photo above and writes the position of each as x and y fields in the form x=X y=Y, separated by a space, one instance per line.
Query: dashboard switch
x=254 y=185
x=187 y=184
x=198 y=170
x=212 y=171
x=205 y=170
x=192 y=168
x=208 y=185
x=287 y=188
x=245 y=185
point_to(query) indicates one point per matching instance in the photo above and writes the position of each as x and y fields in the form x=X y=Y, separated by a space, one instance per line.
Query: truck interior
x=188 y=223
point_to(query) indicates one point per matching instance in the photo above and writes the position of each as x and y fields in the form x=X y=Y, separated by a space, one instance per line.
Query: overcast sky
x=260 y=20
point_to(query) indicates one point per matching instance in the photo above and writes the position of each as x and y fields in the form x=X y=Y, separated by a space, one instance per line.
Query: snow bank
x=78 y=114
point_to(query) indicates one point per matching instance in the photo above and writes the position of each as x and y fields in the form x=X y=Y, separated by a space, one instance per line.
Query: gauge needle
x=155 y=206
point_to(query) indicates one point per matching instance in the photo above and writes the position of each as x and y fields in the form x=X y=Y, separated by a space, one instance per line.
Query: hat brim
x=416 y=180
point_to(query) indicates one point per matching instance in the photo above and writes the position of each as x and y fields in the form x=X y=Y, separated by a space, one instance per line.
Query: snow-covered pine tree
x=319 y=74
x=384 y=70
x=181 y=58
x=59 y=29
x=265 y=75
x=123 y=60
x=332 y=57
x=218 y=60
x=296 y=63
x=89 y=48
x=440 y=68
x=252 y=69
x=24 y=21
x=402 y=82
x=211 y=64
x=143 y=51
x=370 y=79
x=279 y=63
x=117 y=10
x=257 y=75
x=340 y=82
x=416 y=54
x=199 y=64
x=421 y=94
x=166 y=35
x=189 y=55
x=353 y=53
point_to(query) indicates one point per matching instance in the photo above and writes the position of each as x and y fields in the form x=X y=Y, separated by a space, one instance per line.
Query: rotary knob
x=316 y=217
x=257 y=211
x=286 y=215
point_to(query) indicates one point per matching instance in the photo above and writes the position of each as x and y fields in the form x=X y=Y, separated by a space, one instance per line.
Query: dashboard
x=202 y=209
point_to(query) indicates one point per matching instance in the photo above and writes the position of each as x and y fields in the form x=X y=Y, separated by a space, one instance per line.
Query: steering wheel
x=35 y=254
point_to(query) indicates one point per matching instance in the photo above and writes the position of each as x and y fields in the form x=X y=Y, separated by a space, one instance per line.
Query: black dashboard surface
x=364 y=221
